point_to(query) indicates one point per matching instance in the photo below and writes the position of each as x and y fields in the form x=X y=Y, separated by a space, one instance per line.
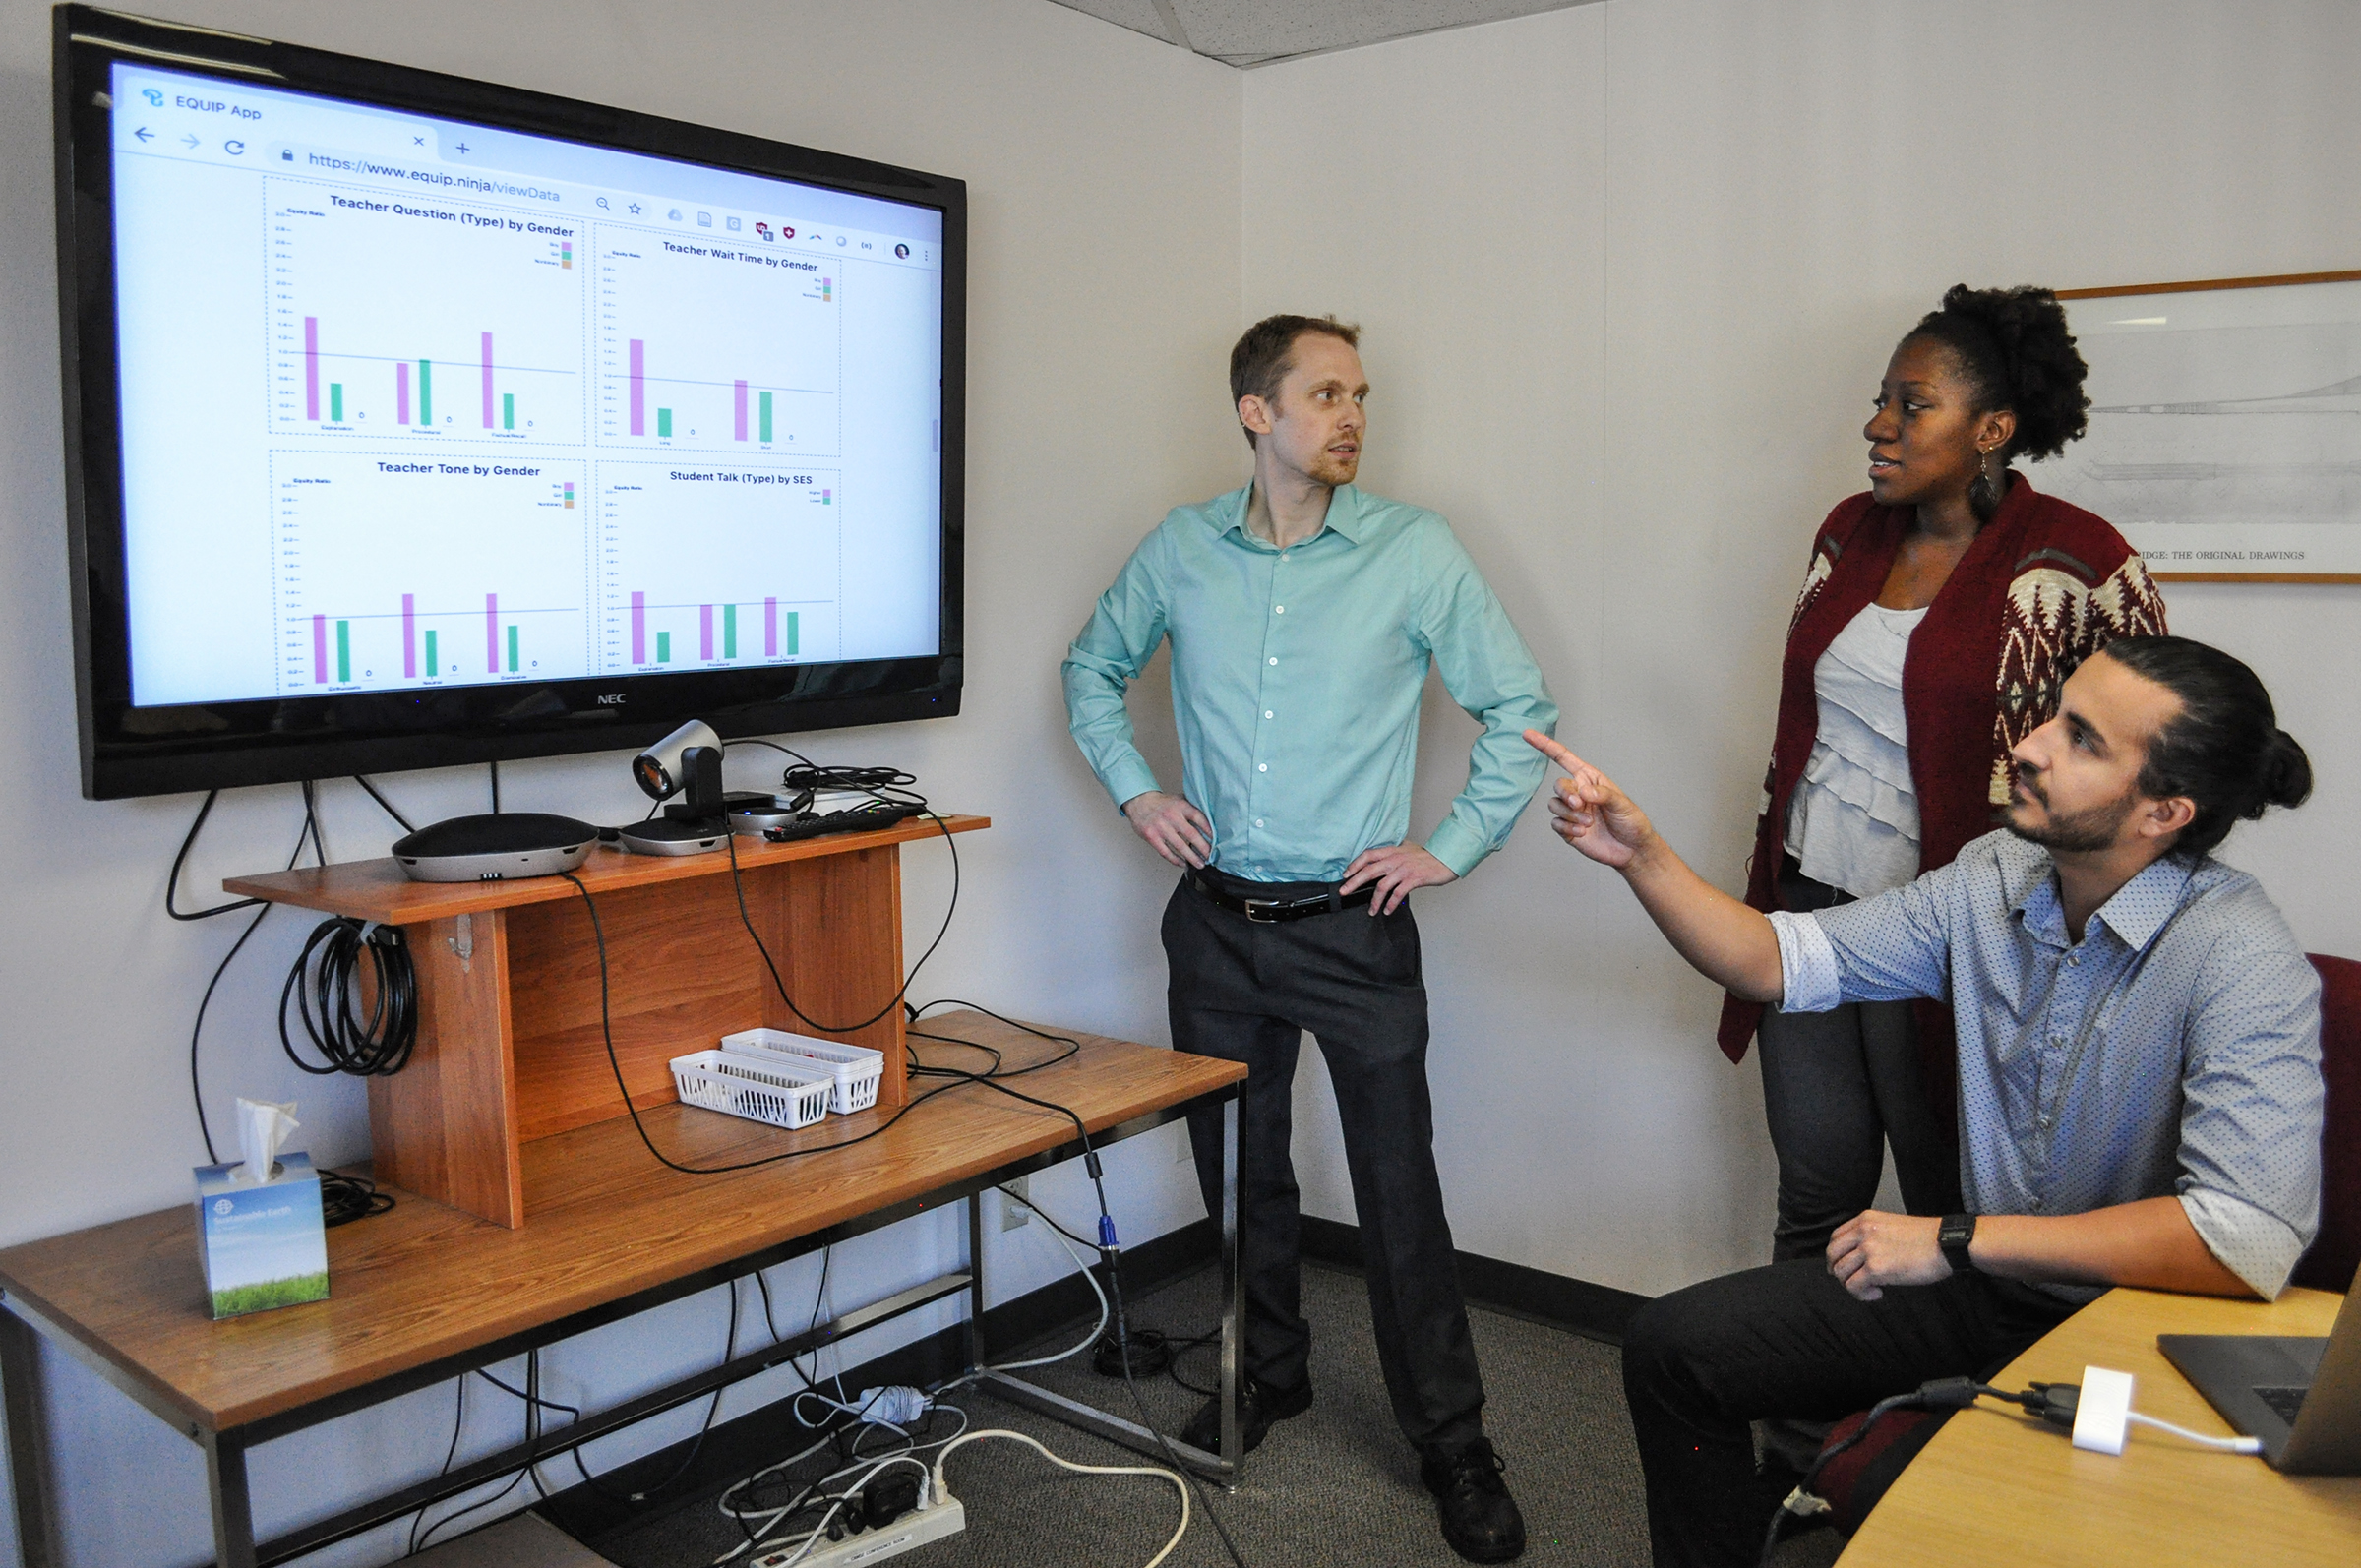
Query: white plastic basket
x=857 y=1068
x=766 y=1088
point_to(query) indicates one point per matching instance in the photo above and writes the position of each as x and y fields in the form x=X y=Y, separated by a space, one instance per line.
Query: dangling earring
x=1983 y=492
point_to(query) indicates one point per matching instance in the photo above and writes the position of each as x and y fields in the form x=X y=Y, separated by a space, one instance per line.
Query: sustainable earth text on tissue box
x=263 y=1247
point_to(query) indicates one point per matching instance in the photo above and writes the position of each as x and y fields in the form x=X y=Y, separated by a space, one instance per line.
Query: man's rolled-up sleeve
x=1892 y=947
x=2252 y=1103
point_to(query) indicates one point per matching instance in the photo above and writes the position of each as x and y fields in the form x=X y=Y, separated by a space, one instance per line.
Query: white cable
x=1106 y=1313
x=2227 y=1445
x=942 y=1490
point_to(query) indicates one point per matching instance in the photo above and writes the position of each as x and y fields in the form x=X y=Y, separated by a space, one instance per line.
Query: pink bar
x=492 y=633
x=487 y=381
x=638 y=628
x=770 y=628
x=401 y=393
x=410 y=637
x=318 y=649
x=704 y=632
x=638 y=394
x=741 y=410
x=310 y=367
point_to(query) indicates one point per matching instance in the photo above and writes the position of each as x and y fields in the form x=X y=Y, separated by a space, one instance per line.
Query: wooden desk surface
x=424 y=1282
x=377 y=889
x=1996 y=1485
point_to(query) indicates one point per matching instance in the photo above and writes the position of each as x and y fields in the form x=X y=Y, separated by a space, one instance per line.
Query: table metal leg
x=233 y=1505
x=975 y=1279
x=1232 y=1285
x=39 y=1537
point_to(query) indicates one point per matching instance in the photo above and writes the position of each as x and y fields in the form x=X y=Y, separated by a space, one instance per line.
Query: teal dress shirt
x=1296 y=683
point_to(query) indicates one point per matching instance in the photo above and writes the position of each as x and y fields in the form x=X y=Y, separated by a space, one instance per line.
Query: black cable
x=196 y=1030
x=326 y=987
x=458 y=1418
x=346 y=1198
x=496 y=787
x=738 y=884
x=387 y=804
x=606 y=1024
x=1944 y=1393
x=172 y=880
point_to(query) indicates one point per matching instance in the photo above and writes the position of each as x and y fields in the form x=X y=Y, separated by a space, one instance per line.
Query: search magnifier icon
x=602 y=201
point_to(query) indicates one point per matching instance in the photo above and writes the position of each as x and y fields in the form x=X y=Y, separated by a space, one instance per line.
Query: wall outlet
x=913 y=1530
x=1014 y=1216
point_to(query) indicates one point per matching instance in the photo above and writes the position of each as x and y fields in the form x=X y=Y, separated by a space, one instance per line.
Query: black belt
x=1274 y=911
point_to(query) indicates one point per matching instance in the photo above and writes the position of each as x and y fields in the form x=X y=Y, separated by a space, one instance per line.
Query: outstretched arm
x=1722 y=939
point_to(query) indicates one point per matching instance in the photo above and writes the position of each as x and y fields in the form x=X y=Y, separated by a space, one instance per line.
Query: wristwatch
x=1954 y=1236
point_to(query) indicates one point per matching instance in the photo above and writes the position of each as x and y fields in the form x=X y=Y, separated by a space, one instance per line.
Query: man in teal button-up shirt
x=1304 y=616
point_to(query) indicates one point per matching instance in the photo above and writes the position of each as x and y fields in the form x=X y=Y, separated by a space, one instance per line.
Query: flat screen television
x=415 y=421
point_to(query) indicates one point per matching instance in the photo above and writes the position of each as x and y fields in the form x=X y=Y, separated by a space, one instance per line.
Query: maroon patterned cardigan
x=2044 y=585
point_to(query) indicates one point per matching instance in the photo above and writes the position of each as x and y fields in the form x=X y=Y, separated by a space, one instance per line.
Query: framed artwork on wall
x=2225 y=425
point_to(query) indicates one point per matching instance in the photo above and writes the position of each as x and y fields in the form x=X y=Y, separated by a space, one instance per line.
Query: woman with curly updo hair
x=1940 y=615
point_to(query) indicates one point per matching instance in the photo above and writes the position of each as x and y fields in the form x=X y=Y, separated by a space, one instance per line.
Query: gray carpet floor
x=1336 y=1486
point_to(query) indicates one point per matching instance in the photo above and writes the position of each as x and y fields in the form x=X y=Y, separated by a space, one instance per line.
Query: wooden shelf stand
x=511 y=1048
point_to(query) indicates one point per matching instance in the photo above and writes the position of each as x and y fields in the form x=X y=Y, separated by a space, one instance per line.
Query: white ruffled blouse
x=1854 y=821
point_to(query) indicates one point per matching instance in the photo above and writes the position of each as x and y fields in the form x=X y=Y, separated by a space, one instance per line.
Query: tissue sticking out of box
x=263 y=1129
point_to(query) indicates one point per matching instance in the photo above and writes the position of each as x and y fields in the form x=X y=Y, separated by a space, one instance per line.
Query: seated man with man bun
x=2139 y=1069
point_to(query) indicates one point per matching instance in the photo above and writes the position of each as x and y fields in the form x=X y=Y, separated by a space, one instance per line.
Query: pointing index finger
x=1552 y=749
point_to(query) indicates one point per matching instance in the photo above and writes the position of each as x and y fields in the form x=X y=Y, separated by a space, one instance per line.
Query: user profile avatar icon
x=902 y=251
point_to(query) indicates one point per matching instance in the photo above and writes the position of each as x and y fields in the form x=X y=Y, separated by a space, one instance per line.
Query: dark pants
x=1245 y=993
x=1838 y=1087
x=1787 y=1341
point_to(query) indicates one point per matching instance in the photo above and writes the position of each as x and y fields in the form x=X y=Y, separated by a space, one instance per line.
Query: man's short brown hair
x=1267 y=352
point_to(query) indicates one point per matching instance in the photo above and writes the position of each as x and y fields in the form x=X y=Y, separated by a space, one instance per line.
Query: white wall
x=1629 y=274
x=1102 y=172
x=1628 y=271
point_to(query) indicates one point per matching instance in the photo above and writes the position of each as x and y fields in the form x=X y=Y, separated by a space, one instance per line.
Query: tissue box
x=261 y=1246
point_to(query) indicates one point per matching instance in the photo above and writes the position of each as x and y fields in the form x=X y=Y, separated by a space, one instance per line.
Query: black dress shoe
x=1480 y=1518
x=1258 y=1406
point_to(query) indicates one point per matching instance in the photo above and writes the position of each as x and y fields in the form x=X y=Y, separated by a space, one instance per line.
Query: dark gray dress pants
x=1244 y=991
x=1838 y=1087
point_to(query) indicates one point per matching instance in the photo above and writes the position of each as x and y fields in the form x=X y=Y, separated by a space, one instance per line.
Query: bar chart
x=494 y=554
x=706 y=347
x=713 y=568
x=420 y=321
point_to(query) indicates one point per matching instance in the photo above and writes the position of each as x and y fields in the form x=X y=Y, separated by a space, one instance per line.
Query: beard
x=2083 y=832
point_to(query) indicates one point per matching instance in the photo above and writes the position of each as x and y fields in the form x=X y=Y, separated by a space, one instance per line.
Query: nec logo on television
x=611 y=699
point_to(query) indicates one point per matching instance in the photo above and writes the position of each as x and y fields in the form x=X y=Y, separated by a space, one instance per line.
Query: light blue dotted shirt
x=2174 y=1050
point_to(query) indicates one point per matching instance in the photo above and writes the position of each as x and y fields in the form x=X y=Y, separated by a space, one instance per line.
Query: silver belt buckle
x=1263 y=910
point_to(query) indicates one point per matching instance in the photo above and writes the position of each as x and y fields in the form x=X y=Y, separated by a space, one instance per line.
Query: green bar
x=335 y=400
x=766 y=417
x=663 y=421
x=426 y=391
x=507 y=410
x=344 y=650
x=791 y=630
x=512 y=651
x=433 y=669
x=663 y=647
x=729 y=622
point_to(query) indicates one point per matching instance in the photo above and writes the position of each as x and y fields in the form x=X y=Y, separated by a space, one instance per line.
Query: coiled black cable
x=326 y=987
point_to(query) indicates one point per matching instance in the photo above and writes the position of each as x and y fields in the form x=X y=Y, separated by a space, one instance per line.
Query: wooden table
x=1998 y=1486
x=428 y=1292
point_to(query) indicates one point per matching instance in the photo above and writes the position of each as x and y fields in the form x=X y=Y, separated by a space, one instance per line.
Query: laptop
x=2300 y=1395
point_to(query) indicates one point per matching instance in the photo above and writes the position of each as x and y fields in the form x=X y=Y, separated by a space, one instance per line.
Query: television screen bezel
x=128 y=750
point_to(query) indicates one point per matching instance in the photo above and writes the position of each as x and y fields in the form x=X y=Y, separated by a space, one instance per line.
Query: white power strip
x=913 y=1530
